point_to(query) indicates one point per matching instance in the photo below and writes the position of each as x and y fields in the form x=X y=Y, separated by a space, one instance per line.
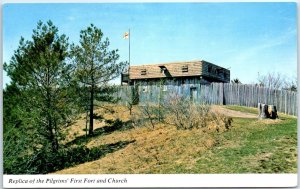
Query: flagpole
x=129 y=45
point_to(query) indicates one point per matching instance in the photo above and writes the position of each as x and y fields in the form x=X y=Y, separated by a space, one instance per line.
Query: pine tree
x=96 y=65
x=39 y=71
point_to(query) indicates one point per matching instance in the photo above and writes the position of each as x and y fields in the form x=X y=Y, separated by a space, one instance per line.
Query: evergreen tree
x=96 y=65
x=40 y=73
x=16 y=130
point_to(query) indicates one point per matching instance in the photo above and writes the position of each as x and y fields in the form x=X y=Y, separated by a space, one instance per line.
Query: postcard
x=150 y=94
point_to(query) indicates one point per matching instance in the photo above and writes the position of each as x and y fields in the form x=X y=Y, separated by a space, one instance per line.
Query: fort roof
x=177 y=69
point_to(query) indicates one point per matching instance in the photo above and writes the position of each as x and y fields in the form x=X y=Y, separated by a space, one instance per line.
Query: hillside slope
x=250 y=146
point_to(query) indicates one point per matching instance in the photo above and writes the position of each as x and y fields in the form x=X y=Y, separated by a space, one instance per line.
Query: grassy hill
x=250 y=146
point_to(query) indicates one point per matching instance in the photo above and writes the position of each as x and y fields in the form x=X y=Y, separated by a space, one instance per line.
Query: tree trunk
x=54 y=144
x=273 y=112
x=55 y=137
x=259 y=110
x=86 y=123
x=54 y=141
x=91 y=128
x=263 y=111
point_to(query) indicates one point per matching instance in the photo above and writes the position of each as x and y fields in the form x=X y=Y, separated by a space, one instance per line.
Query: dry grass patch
x=78 y=128
x=158 y=150
x=108 y=112
x=232 y=111
x=254 y=160
x=269 y=121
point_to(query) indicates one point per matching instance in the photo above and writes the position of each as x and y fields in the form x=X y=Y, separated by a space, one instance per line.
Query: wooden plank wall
x=217 y=93
x=174 y=69
x=251 y=95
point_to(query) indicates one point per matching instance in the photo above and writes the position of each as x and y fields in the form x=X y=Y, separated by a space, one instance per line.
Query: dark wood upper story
x=201 y=69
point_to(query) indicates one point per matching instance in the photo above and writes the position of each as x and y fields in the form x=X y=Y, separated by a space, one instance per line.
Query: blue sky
x=246 y=37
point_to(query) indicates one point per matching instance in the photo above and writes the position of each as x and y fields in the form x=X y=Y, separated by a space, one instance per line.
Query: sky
x=247 y=38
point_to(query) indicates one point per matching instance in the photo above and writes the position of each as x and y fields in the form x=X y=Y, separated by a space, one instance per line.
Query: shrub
x=219 y=122
x=146 y=115
x=184 y=114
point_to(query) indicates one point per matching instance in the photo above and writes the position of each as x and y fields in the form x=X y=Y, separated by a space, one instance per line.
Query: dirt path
x=232 y=113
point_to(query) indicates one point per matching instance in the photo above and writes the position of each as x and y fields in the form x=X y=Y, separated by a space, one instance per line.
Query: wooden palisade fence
x=216 y=93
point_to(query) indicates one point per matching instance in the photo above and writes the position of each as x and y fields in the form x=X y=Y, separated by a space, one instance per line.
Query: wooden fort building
x=175 y=73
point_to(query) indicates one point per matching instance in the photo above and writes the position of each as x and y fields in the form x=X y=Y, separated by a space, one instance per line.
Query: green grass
x=253 y=146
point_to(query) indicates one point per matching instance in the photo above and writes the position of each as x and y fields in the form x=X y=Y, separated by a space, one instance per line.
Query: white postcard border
x=149 y=180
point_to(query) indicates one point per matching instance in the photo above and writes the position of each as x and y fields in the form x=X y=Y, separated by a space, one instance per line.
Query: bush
x=184 y=114
x=218 y=122
x=146 y=116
